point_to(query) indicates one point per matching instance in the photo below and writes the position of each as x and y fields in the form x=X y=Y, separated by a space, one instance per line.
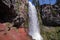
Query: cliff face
x=6 y=13
x=23 y=10
x=7 y=32
x=12 y=8
x=48 y=32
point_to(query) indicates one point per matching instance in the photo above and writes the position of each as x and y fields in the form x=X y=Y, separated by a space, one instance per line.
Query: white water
x=34 y=29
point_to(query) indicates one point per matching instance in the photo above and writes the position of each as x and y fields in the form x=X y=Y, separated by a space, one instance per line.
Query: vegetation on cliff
x=48 y=32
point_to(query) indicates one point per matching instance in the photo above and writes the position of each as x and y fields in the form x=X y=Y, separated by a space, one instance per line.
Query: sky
x=52 y=2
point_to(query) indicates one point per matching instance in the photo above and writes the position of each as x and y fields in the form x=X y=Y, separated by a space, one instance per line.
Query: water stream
x=34 y=30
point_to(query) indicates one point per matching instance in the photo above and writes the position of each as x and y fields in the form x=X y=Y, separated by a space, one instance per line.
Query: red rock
x=2 y=26
x=13 y=34
x=23 y=33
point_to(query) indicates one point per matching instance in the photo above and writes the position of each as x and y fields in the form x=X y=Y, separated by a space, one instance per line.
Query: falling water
x=33 y=23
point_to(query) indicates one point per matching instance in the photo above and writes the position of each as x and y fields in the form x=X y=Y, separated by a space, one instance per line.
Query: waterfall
x=34 y=30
